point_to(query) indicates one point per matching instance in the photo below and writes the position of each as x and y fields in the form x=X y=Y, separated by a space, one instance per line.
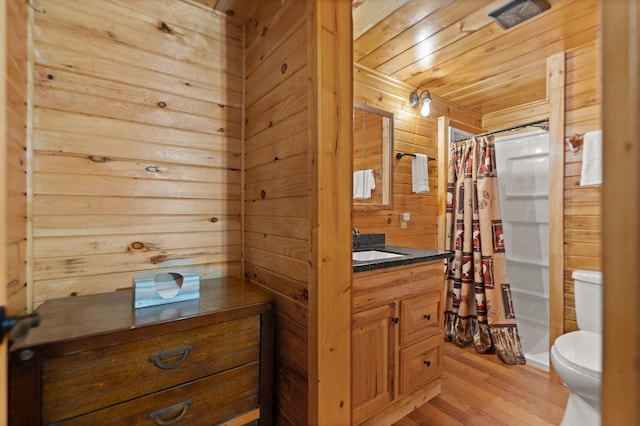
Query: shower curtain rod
x=506 y=129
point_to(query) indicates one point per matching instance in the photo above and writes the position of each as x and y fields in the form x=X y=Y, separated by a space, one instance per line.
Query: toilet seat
x=581 y=350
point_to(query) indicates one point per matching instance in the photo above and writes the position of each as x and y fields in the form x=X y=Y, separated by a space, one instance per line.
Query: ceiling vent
x=517 y=11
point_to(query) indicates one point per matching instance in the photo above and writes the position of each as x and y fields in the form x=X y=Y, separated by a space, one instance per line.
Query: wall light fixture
x=423 y=100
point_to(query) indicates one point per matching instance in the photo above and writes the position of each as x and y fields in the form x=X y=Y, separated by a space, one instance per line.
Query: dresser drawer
x=421 y=362
x=420 y=316
x=234 y=391
x=86 y=381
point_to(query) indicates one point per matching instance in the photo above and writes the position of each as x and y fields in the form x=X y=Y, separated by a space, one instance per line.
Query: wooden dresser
x=95 y=360
x=397 y=341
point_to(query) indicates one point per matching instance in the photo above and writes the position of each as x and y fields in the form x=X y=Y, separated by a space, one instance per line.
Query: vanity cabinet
x=96 y=360
x=397 y=340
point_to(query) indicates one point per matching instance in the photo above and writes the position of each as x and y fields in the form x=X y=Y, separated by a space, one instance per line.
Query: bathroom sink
x=368 y=255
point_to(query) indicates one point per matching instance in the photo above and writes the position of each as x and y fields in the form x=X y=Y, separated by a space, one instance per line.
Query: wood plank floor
x=480 y=390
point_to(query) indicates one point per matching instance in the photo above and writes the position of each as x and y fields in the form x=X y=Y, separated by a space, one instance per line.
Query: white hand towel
x=363 y=183
x=420 y=173
x=591 y=159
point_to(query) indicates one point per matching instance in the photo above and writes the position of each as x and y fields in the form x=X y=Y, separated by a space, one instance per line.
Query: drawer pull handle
x=158 y=359
x=427 y=363
x=158 y=416
x=427 y=317
x=395 y=320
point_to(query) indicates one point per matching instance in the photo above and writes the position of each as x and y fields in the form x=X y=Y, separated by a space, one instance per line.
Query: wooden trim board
x=3 y=201
x=556 y=92
x=330 y=123
x=443 y=166
x=620 y=210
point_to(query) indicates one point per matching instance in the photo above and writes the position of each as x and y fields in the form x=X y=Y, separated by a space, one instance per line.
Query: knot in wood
x=165 y=28
x=159 y=258
x=98 y=159
x=136 y=245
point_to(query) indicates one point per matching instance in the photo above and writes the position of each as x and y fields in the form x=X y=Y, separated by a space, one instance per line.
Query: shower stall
x=523 y=174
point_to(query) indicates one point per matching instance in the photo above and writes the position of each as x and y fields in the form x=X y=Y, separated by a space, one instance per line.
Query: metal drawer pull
x=156 y=416
x=427 y=317
x=157 y=359
x=427 y=363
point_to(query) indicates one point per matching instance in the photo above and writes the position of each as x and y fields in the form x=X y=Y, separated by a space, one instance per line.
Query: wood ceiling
x=455 y=50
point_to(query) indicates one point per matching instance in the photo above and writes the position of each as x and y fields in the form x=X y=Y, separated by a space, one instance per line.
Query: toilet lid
x=582 y=350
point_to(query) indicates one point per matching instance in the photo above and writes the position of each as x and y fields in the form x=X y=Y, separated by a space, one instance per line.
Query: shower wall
x=523 y=176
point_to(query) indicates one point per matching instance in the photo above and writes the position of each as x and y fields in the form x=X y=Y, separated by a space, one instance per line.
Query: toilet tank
x=588 y=298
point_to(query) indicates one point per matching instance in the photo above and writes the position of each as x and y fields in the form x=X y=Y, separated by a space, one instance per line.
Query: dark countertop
x=411 y=256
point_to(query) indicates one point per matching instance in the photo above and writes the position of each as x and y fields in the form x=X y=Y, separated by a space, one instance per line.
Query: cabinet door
x=373 y=339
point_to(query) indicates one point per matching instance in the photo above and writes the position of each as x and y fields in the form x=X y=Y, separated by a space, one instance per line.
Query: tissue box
x=167 y=287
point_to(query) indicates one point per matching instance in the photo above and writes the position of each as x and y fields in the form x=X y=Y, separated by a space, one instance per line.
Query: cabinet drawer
x=207 y=401
x=421 y=362
x=86 y=381
x=420 y=316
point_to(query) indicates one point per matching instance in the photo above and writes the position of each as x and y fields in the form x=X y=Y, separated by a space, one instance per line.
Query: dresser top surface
x=99 y=314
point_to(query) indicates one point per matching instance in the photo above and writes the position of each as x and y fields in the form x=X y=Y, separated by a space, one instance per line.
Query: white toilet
x=577 y=356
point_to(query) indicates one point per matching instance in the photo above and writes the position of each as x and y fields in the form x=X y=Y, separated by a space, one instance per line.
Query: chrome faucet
x=355 y=231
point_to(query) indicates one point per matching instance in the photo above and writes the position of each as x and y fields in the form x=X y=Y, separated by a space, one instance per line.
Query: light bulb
x=426 y=107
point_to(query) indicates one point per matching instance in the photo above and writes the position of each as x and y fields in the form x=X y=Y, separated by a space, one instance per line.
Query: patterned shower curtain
x=479 y=309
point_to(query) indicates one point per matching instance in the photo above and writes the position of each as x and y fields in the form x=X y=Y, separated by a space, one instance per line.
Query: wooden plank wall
x=278 y=173
x=412 y=134
x=16 y=159
x=582 y=214
x=136 y=143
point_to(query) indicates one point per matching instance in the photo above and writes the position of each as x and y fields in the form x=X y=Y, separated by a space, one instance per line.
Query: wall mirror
x=372 y=158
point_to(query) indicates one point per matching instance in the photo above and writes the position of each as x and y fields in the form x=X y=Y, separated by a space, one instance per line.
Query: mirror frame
x=387 y=164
